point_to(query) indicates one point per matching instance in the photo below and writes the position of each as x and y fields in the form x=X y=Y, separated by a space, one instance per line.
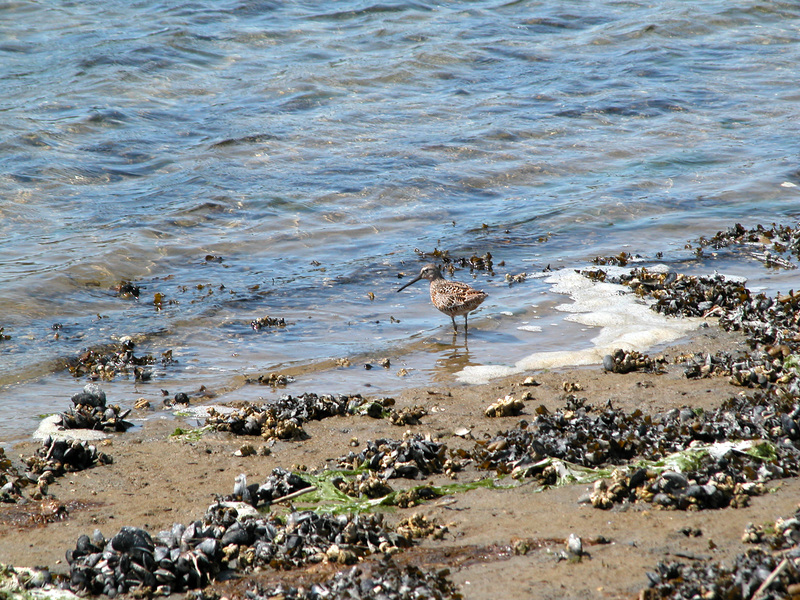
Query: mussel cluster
x=408 y=415
x=772 y=329
x=712 y=482
x=263 y=322
x=582 y=435
x=626 y=361
x=702 y=365
x=619 y=260
x=577 y=434
x=279 y=484
x=385 y=580
x=782 y=239
x=767 y=321
x=108 y=363
x=771 y=323
x=473 y=263
x=770 y=572
x=284 y=418
x=191 y=556
x=780 y=535
x=413 y=457
x=58 y=456
x=91 y=412
x=127 y=289
x=756 y=370
x=271 y=379
x=677 y=294
x=53 y=458
x=680 y=581
x=266 y=421
x=10 y=480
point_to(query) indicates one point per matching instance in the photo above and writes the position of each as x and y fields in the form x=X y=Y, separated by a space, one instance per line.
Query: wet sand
x=156 y=481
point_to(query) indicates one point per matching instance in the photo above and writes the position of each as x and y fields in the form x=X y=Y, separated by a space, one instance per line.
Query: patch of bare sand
x=156 y=481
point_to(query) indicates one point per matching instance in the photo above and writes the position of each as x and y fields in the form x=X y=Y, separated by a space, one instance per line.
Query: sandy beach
x=514 y=536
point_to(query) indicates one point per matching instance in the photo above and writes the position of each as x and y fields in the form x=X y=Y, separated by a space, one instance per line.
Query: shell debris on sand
x=66 y=444
x=386 y=578
x=596 y=437
x=767 y=572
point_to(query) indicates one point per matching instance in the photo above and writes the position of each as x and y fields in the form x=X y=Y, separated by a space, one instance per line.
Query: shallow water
x=288 y=159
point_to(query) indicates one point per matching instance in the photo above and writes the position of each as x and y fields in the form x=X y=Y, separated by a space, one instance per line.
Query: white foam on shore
x=624 y=321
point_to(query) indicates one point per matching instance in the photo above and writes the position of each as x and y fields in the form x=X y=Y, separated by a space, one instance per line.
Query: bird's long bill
x=415 y=280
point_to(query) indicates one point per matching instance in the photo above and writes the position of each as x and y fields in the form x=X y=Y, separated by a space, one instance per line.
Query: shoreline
x=156 y=481
x=608 y=481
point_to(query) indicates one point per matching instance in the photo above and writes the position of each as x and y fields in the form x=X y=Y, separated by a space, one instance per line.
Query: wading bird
x=451 y=297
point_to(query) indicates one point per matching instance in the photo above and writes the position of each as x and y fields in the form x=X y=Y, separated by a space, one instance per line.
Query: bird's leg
x=455 y=327
x=465 y=325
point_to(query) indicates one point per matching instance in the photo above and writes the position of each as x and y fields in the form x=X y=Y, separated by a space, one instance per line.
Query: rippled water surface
x=291 y=158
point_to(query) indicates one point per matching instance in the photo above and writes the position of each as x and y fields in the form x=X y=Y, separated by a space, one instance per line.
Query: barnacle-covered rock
x=366 y=485
x=505 y=407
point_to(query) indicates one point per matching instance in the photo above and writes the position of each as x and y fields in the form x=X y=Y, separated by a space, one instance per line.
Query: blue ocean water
x=291 y=159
